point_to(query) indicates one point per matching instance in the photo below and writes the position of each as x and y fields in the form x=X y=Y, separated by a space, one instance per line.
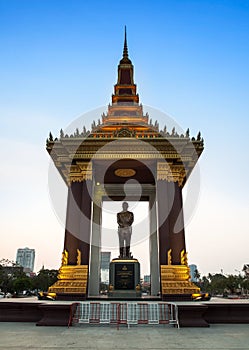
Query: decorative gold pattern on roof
x=125 y=172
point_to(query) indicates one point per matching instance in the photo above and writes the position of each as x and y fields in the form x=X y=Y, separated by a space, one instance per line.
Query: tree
x=204 y=284
x=21 y=283
x=44 y=279
x=197 y=275
x=214 y=284
x=245 y=285
x=9 y=272
x=234 y=283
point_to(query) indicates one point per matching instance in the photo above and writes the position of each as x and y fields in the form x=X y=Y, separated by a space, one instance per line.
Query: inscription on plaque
x=124 y=276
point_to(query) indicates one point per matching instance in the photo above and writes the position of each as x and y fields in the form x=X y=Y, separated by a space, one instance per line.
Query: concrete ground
x=20 y=336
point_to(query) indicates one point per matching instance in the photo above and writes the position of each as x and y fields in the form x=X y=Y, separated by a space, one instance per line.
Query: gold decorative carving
x=86 y=170
x=125 y=172
x=184 y=257
x=64 y=260
x=169 y=257
x=124 y=155
x=82 y=171
x=181 y=153
x=78 y=257
x=163 y=171
x=171 y=173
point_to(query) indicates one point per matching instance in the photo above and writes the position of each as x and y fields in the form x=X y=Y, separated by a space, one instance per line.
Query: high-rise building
x=105 y=260
x=26 y=258
x=193 y=269
x=104 y=266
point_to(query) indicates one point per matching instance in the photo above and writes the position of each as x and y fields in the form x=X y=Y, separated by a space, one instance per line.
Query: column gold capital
x=171 y=173
x=81 y=171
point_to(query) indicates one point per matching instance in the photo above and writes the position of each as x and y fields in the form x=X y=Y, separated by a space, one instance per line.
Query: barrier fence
x=124 y=313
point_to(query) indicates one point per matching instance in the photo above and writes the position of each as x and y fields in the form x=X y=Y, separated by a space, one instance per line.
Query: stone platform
x=22 y=336
x=190 y=314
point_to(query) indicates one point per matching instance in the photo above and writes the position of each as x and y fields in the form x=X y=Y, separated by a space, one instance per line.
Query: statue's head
x=125 y=205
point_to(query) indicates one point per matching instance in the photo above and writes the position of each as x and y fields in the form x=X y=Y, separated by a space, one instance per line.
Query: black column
x=177 y=234
x=72 y=231
x=85 y=224
x=78 y=222
x=170 y=221
x=164 y=198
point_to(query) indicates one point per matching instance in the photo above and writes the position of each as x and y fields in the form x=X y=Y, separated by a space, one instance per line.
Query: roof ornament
x=125 y=51
x=125 y=58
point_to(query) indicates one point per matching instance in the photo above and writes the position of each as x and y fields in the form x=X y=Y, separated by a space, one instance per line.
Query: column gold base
x=72 y=279
x=175 y=280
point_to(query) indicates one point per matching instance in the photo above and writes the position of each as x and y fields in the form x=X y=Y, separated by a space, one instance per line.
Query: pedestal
x=124 y=278
x=72 y=283
x=176 y=284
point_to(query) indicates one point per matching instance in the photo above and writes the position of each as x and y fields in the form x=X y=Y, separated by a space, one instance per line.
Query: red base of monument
x=70 y=297
x=192 y=315
x=56 y=314
x=227 y=313
x=177 y=297
x=19 y=311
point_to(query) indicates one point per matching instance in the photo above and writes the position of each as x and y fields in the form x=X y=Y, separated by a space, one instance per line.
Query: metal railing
x=125 y=313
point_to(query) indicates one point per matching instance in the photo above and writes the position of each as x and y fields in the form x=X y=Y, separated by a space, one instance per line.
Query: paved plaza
x=20 y=336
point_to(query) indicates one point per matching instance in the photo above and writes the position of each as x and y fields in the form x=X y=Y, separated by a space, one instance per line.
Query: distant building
x=145 y=284
x=104 y=266
x=25 y=257
x=146 y=280
x=105 y=260
x=193 y=269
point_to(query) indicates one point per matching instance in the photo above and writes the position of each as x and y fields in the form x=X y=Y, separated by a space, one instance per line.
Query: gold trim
x=124 y=260
x=82 y=171
x=125 y=172
x=184 y=257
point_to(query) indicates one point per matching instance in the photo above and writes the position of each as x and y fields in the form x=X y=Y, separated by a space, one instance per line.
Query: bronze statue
x=125 y=219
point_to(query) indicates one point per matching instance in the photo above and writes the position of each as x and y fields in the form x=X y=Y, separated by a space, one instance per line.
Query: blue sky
x=59 y=59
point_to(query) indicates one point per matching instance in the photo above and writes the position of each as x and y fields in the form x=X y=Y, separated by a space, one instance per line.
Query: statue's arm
x=132 y=218
x=118 y=220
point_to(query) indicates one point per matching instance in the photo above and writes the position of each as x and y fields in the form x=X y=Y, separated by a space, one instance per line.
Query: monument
x=96 y=166
x=125 y=270
x=125 y=220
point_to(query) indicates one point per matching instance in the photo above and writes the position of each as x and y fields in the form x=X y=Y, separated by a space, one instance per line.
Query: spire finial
x=125 y=51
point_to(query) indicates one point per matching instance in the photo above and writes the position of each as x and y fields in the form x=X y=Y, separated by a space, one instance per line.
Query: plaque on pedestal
x=124 y=278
